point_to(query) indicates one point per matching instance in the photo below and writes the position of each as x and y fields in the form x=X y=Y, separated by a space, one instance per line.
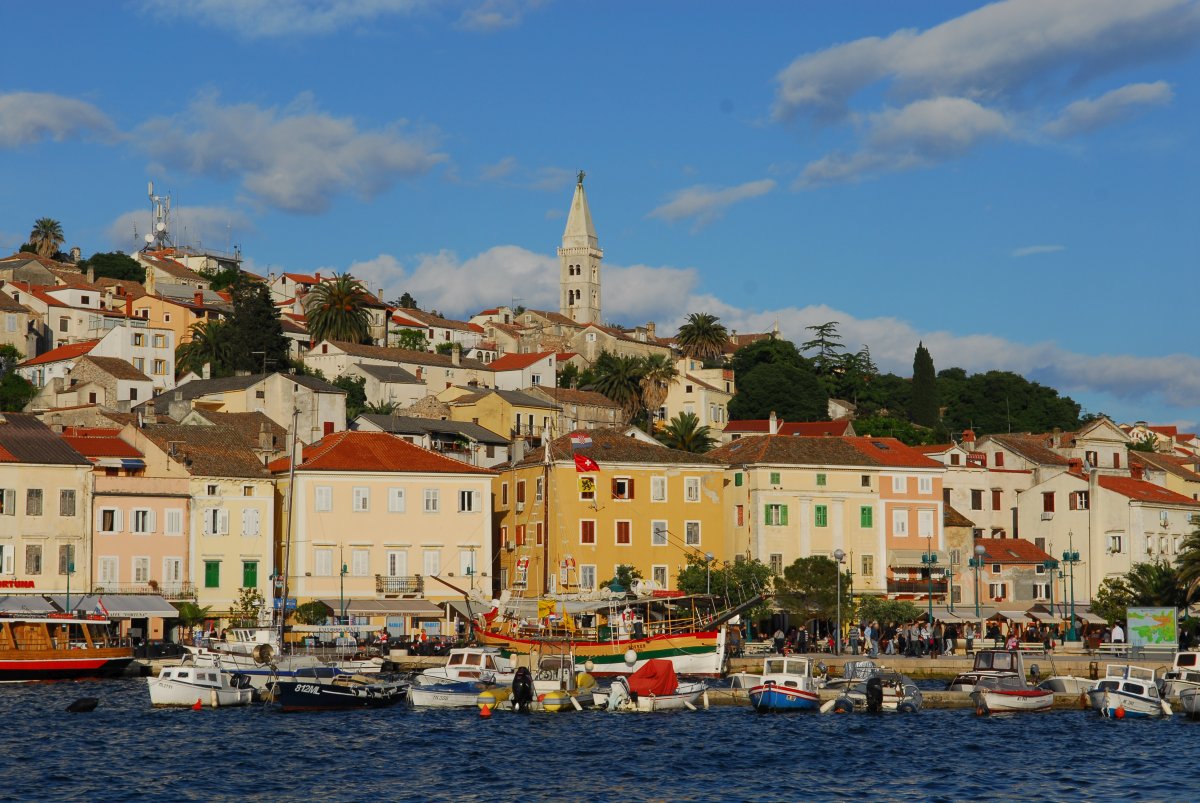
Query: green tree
x=190 y=615
x=336 y=310
x=445 y=348
x=623 y=579
x=209 y=342
x=702 y=336
x=1187 y=563
x=46 y=236
x=884 y=427
x=770 y=351
x=809 y=588
x=1146 y=443
x=15 y=390
x=381 y=408
x=568 y=375
x=405 y=301
x=1001 y=401
x=356 y=394
x=658 y=374
x=245 y=609
x=735 y=582
x=1156 y=584
x=1111 y=599
x=685 y=433
x=412 y=339
x=923 y=405
x=255 y=332
x=828 y=344
x=311 y=613
x=222 y=279
x=871 y=608
x=792 y=392
x=114 y=265
x=620 y=379
x=854 y=374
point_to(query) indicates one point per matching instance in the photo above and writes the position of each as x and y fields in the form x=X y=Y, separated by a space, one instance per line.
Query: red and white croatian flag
x=100 y=609
x=585 y=463
x=580 y=441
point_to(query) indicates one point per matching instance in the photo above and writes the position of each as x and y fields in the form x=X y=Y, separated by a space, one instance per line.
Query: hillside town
x=393 y=463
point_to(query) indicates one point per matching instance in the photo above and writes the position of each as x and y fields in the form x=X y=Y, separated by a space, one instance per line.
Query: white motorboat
x=654 y=687
x=786 y=684
x=884 y=692
x=485 y=664
x=855 y=672
x=1009 y=695
x=990 y=664
x=189 y=684
x=1184 y=674
x=1067 y=684
x=1114 y=676
x=1189 y=701
x=454 y=694
x=1133 y=700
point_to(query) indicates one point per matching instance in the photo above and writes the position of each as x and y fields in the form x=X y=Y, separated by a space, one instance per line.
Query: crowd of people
x=920 y=639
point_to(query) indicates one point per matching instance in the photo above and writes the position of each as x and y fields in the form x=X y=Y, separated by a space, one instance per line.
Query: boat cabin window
x=773 y=667
x=489 y=663
x=456 y=659
x=184 y=675
x=475 y=659
x=1187 y=659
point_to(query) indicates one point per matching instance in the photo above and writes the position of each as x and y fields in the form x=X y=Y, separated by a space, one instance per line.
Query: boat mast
x=549 y=445
x=287 y=538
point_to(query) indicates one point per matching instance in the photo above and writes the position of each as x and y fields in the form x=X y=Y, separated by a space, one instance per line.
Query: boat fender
x=1119 y=713
x=84 y=705
x=843 y=706
x=826 y=707
x=981 y=711
x=906 y=708
x=1083 y=701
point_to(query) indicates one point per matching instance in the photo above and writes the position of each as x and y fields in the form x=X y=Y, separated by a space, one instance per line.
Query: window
x=659 y=575
x=924 y=523
x=737 y=479
x=538 y=489
x=776 y=564
x=468 y=501
x=1078 y=500
x=1048 y=502
x=691 y=489
x=776 y=515
x=976 y=500
x=66 y=502
x=172 y=570
x=539 y=531
x=1116 y=459
x=955 y=459
x=251 y=521
x=110 y=520
x=520 y=534
x=868 y=565
x=866 y=516
x=900 y=523
x=33 y=501
x=1041 y=591
x=362 y=500
x=66 y=559
x=10 y=322
x=998 y=459
x=431 y=500
x=109 y=570
x=820 y=516
x=142 y=522
x=587 y=531
x=998 y=591
x=622 y=488
x=397 y=563
x=866 y=480
x=433 y=563
x=997 y=568
x=139 y=363
x=64 y=324
x=925 y=485
x=247 y=490
x=899 y=484
x=821 y=480
x=520 y=494
x=587 y=571
x=395 y=500
x=658 y=489
x=658 y=533
x=141 y=570
x=139 y=339
x=997 y=498
x=691 y=531
x=133 y=394
x=8 y=502
x=160 y=367
x=323 y=562
x=212 y=574
x=624 y=534
x=249 y=574
x=216 y=521
x=33 y=559
x=775 y=478
x=360 y=562
x=739 y=515
x=6 y=558
x=1091 y=458
x=160 y=341
x=210 y=490
x=504 y=494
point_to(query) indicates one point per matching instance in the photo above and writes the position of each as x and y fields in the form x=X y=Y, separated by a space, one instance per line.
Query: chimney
x=266 y=442
x=149 y=417
x=456 y=355
x=91 y=275
x=651 y=330
x=1137 y=472
x=1075 y=465
x=318 y=276
x=1056 y=438
x=198 y=298
x=968 y=439
x=206 y=371
x=128 y=307
x=773 y=424
x=75 y=255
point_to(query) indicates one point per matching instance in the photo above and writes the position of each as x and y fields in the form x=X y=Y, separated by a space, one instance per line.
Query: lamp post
x=708 y=559
x=950 y=582
x=929 y=560
x=1071 y=557
x=976 y=563
x=839 y=556
x=342 y=589
x=70 y=568
x=1050 y=566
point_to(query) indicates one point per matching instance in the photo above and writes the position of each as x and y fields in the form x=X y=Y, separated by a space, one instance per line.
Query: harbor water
x=126 y=750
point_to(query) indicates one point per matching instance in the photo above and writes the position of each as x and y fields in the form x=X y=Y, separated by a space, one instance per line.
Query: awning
x=1090 y=618
x=419 y=608
x=25 y=603
x=468 y=611
x=120 y=606
x=911 y=558
x=1044 y=616
x=1015 y=616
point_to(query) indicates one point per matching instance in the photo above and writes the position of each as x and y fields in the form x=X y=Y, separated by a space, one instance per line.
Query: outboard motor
x=1035 y=674
x=522 y=690
x=618 y=693
x=874 y=695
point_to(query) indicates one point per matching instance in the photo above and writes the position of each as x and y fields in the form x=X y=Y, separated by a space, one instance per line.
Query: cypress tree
x=923 y=406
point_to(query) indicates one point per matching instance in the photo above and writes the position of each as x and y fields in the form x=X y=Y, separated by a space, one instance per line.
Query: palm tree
x=190 y=614
x=1156 y=584
x=703 y=336
x=685 y=433
x=335 y=310
x=658 y=374
x=46 y=236
x=382 y=408
x=1187 y=563
x=620 y=379
x=209 y=343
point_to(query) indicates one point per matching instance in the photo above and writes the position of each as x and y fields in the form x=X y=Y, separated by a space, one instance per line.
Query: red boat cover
x=657 y=677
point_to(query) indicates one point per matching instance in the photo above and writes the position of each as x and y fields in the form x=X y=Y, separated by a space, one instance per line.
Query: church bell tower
x=579 y=263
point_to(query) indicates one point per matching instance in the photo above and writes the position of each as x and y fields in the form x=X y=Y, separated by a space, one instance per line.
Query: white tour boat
x=189 y=684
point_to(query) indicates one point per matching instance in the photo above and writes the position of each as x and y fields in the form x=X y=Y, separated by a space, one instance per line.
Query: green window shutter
x=822 y=515
x=783 y=514
x=774 y=477
x=766 y=514
x=212 y=574
x=820 y=479
x=250 y=574
x=737 y=479
x=865 y=517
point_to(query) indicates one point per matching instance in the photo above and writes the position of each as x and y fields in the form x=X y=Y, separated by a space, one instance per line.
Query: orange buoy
x=1120 y=713
x=485 y=712
x=196 y=706
x=980 y=711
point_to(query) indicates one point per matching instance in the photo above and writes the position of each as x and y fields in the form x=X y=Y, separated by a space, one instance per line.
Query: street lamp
x=1050 y=566
x=342 y=590
x=929 y=560
x=1071 y=557
x=950 y=583
x=708 y=559
x=70 y=568
x=976 y=563
x=839 y=556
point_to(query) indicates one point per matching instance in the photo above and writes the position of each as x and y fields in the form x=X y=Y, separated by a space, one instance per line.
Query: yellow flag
x=545 y=608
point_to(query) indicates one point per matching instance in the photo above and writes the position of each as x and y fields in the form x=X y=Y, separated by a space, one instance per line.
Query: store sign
x=16 y=584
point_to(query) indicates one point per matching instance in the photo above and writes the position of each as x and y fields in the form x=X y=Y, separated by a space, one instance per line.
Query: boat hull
x=444 y=696
x=300 y=695
x=1000 y=701
x=1189 y=701
x=175 y=694
x=699 y=654
x=93 y=664
x=772 y=696
x=1122 y=705
x=1067 y=684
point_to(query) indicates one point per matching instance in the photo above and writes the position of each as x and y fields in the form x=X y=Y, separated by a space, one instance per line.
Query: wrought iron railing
x=169 y=591
x=410 y=584
x=915 y=586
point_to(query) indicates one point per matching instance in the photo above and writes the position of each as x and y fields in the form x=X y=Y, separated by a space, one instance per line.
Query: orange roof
x=67 y=352
x=402 y=320
x=515 y=362
x=1011 y=550
x=373 y=451
x=303 y=278
x=836 y=429
x=91 y=445
x=1142 y=491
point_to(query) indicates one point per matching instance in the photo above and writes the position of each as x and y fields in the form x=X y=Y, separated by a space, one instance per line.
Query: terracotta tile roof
x=400 y=319
x=303 y=278
x=572 y=396
x=170 y=267
x=430 y=320
x=248 y=425
x=951 y=517
x=835 y=451
x=89 y=443
x=835 y=429
x=476 y=328
x=1182 y=467
x=405 y=355
x=73 y=277
x=512 y=329
x=1142 y=491
x=70 y=351
x=611 y=446
x=207 y=451
x=8 y=304
x=25 y=439
x=937 y=448
x=556 y=317
x=563 y=356
x=516 y=362
x=40 y=293
x=702 y=383
x=1011 y=550
x=374 y=451
x=26 y=256
x=1032 y=448
x=126 y=288
x=116 y=367
x=516 y=398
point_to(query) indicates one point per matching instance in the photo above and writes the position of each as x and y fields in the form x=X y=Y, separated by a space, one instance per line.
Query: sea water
x=126 y=750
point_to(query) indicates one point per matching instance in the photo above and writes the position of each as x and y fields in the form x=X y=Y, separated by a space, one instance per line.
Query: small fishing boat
x=884 y=692
x=1189 y=701
x=1184 y=674
x=786 y=684
x=484 y=664
x=454 y=694
x=325 y=689
x=1066 y=684
x=990 y=664
x=855 y=672
x=1009 y=695
x=1114 y=676
x=1128 y=691
x=189 y=684
x=654 y=687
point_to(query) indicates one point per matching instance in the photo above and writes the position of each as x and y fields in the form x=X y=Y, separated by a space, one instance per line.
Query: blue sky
x=1012 y=183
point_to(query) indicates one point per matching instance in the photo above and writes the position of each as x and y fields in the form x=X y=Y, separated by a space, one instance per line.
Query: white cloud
x=254 y=19
x=214 y=226
x=705 y=204
x=495 y=15
x=28 y=117
x=1031 y=250
x=295 y=158
x=500 y=170
x=1087 y=115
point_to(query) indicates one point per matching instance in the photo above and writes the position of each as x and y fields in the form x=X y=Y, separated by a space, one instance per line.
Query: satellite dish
x=149 y=238
x=161 y=226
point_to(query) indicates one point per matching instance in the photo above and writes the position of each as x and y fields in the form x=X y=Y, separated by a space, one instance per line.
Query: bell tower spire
x=579 y=262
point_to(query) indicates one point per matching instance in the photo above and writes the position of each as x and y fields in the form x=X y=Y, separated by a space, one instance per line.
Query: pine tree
x=923 y=407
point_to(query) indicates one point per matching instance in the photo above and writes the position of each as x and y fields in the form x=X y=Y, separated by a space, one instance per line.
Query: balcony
x=398 y=586
x=177 y=592
x=915 y=587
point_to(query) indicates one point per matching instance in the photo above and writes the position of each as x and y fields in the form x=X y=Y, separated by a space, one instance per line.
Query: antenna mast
x=160 y=225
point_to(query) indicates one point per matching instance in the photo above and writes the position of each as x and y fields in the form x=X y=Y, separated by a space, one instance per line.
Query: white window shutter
x=208 y=521
x=476 y=504
x=117 y=521
x=223 y=522
x=246 y=522
x=150 y=521
x=10 y=501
